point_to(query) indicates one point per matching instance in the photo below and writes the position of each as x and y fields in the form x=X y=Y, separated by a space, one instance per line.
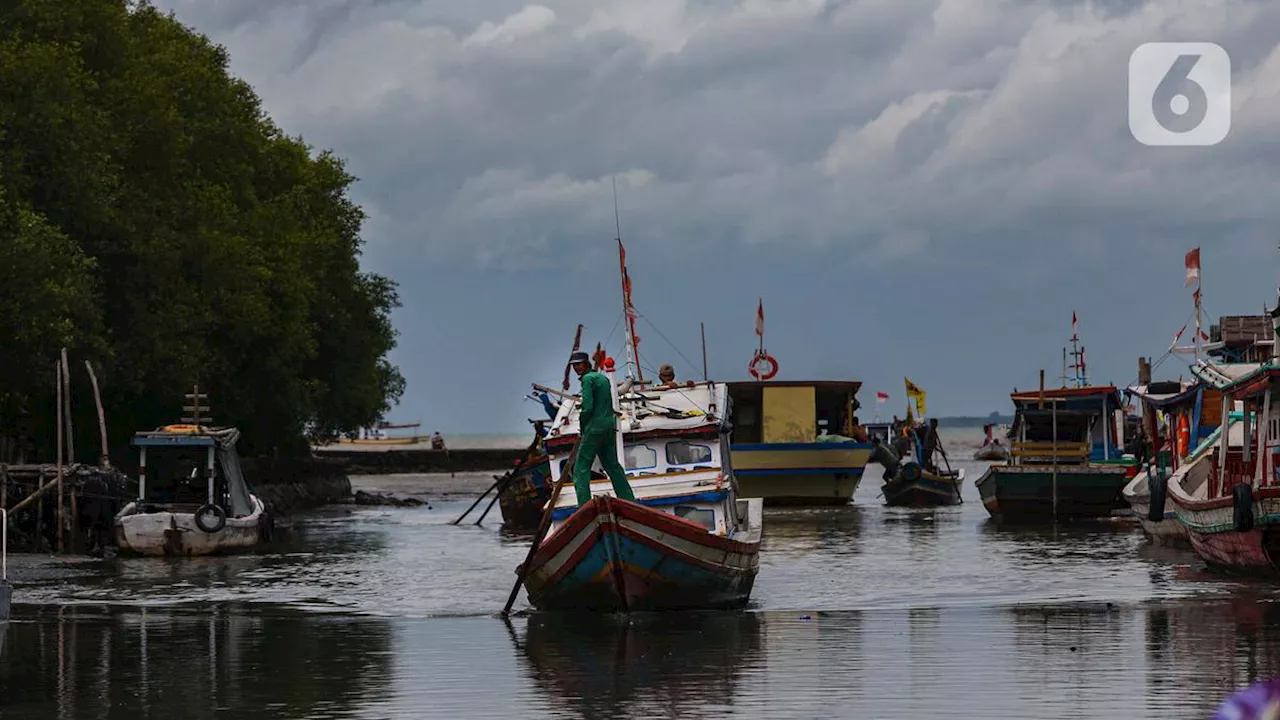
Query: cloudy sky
x=925 y=188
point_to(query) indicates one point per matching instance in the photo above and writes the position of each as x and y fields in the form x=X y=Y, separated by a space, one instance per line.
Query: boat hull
x=1025 y=493
x=800 y=473
x=166 y=533
x=1170 y=530
x=615 y=555
x=1211 y=529
x=991 y=454
x=929 y=490
x=524 y=497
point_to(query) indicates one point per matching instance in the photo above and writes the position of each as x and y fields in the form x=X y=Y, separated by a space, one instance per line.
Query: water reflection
x=645 y=666
x=84 y=661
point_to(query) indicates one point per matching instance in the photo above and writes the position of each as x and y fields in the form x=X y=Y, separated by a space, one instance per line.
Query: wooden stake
x=102 y=418
x=66 y=398
x=58 y=477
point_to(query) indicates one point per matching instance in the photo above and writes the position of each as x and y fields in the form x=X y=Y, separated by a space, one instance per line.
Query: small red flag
x=760 y=318
x=1193 y=267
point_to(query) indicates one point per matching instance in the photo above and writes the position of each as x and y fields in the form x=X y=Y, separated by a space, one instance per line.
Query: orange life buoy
x=1184 y=436
x=766 y=359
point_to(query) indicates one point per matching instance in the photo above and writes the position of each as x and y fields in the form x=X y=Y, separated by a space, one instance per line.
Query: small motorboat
x=992 y=450
x=192 y=496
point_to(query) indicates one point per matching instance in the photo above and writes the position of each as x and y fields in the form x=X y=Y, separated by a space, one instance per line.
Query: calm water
x=861 y=611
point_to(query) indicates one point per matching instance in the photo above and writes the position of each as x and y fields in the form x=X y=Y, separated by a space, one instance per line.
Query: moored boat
x=782 y=448
x=914 y=478
x=1066 y=459
x=1228 y=498
x=192 y=496
x=1192 y=412
x=689 y=541
x=527 y=488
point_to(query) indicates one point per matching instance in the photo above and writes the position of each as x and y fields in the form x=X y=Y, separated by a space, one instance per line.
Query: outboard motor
x=884 y=456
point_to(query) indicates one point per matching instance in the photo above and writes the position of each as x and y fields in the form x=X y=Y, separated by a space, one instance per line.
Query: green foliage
x=153 y=219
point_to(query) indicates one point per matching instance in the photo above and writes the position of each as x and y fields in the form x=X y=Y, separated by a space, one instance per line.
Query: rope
x=664 y=338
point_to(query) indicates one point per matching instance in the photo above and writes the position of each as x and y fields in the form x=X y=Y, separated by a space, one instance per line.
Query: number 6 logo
x=1179 y=94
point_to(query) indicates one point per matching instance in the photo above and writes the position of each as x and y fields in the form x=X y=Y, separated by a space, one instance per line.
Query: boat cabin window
x=640 y=457
x=682 y=452
x=706 y=517
x=177 y=475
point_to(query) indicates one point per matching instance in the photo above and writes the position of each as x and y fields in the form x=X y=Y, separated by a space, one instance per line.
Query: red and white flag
x=1074 y=326
x=1193 y=267
x=627 y=307
x=882 y=398
x=760 y=318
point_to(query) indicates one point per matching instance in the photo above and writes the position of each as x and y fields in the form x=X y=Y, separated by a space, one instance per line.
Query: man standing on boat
x=598 y=425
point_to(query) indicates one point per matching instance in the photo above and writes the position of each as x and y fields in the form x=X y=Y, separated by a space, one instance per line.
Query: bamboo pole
x=38 y=494
x=66 y=399
x=102 y=417
x=566 y=475
x=58 y=477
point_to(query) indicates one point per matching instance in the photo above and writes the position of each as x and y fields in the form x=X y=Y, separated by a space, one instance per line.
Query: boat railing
x=1225 y=475
x=1067 y=451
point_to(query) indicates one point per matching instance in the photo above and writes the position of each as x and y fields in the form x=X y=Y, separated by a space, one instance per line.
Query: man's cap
x=579 y=357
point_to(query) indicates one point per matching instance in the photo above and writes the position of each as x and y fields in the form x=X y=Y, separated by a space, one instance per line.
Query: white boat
x=192 y=496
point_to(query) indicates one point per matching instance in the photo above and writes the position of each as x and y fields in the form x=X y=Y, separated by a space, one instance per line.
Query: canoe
x=921 y=488
x=617 y=555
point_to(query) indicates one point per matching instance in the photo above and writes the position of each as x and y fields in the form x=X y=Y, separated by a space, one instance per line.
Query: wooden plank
x=789 y=415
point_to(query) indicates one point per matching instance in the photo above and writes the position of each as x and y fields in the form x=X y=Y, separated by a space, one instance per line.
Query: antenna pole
x=633 y=356
x=703 y=327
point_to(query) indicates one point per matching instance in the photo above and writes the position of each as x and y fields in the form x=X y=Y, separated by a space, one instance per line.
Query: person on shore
x=598 y=426
x=437 y=441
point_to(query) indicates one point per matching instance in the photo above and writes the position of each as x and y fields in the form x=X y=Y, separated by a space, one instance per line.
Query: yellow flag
x=914 y=391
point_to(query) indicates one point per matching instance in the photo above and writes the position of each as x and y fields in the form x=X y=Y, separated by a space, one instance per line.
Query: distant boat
x=526 y=490
x=690 y=541
x=378 y=435
x=991 y=448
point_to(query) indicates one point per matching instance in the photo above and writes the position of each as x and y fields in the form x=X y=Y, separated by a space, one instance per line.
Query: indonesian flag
x=760 y=318
x=1193 y=267
x=882 y=398
x=1074 y=325
x=1177 y=336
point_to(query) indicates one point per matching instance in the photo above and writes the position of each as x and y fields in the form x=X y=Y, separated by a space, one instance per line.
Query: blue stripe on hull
x=668 y=581
x=748 y=447
x=800 y=471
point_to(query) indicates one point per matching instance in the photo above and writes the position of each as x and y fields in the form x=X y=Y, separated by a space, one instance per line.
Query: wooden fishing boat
x=527 y=488
x=914 y=480
x=688 y=542
x=1192 y=409
x=1067 y=460
x=1229 y=497
x=192 y=496
x=780 y=450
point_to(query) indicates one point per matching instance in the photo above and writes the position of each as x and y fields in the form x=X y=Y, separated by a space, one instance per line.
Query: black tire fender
x=217 y=512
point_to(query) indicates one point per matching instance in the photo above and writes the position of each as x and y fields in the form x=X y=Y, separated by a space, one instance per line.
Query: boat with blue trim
x=785 y=445
x=689 y=541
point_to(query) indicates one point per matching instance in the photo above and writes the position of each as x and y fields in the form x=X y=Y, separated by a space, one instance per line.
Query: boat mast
x=633 y=357
x=1077 y=354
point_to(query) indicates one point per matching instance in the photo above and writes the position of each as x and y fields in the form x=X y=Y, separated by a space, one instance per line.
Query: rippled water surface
x=861 y=611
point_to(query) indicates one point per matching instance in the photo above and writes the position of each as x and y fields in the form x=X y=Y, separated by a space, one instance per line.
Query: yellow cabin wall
x=789 y=415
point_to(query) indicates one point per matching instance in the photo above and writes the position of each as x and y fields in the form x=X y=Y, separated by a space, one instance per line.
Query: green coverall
x=599 y=428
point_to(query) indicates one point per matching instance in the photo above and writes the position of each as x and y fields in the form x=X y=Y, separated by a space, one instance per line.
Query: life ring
x=218 y=513
x=754 y=367
x=181 y=428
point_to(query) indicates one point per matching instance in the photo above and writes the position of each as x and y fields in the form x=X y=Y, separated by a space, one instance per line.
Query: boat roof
x=849 y=385
x=1070 y=395
x=185 y=436
x=1263 y=378
x=1186 y=395
x=1222 y=375
x=675 y=411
